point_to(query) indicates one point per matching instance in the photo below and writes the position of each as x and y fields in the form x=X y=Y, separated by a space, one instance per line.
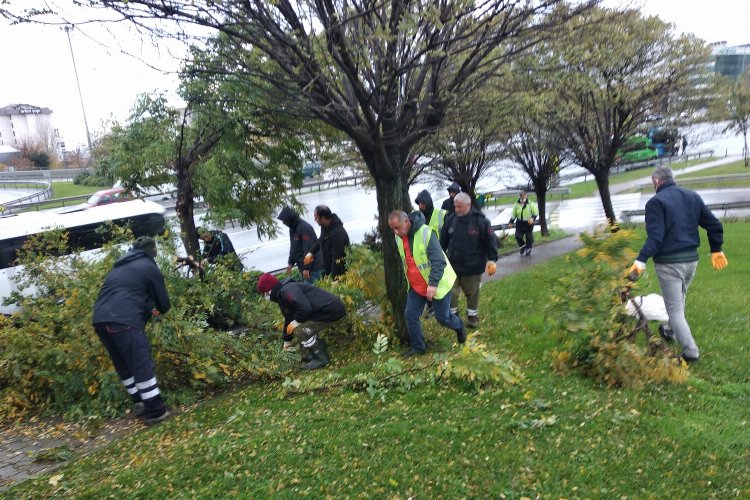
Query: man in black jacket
x=673 y=216
x=302 y=237
x=307 y=310
x=132 y=292
x=217 y=244
x=471 y=246
x=453 y=190
x=332 y=243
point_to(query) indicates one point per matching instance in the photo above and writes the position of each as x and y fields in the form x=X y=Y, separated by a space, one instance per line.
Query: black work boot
x=306 y=356
x=319 y=356
x=473 y=322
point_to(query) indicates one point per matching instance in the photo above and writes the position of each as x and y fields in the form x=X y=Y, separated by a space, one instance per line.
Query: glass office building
x=731 y=62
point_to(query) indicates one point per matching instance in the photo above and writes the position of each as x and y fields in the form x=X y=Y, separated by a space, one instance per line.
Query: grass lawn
x=66 y=190
x=588 y=188
x=737 y=167
x=550 y=436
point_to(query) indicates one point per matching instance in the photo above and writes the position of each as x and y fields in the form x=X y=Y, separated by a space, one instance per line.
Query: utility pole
x=67 y=30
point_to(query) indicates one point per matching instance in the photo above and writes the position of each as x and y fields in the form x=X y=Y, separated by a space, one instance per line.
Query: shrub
x=597 y=338
x=52 y=362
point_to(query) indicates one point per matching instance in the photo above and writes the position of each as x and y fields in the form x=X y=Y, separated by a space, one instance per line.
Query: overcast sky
x=36 y=66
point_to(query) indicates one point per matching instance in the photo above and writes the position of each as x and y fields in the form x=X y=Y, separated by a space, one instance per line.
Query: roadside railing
x=351 y=180
x=43 y=193
x=699 y=180
x=627 y=215
x=57 y=174
x=562 y=191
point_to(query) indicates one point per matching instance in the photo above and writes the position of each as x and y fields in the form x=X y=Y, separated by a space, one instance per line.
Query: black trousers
x=130 y=352
x=527 y=231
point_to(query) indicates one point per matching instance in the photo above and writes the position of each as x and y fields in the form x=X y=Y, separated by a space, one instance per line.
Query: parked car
x=100 y=198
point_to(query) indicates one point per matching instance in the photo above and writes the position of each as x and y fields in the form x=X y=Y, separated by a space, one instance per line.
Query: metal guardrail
x=512 y=192
x=351 y=180
x=627 y=167
x=54 y=174
x=700 y=180
x=627 y=215
x=42 y=194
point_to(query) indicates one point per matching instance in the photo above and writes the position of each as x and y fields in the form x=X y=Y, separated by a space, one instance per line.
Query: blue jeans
x=674 y=280
x=415 y=306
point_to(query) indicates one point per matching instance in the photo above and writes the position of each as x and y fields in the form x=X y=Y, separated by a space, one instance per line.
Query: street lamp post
x=67 y=30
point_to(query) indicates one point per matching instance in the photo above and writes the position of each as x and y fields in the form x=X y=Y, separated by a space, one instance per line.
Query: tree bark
x=602 y=183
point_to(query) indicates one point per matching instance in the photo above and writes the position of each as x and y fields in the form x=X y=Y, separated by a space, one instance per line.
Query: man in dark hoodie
x=217 y=245
x=332 y=243
x=307 y=310
x=435 y=217
x=471 y=247
x=132 y=292
x=302 y=238
x=453 y=190
x=429 y=275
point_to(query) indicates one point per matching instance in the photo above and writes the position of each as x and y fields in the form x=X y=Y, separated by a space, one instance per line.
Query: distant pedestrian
x=684 y=145
x=434 y=217
x=132 y=292
x=307 y=311
x=453 y=190
x=332 y=243
x=302 y=238
x=429 y=275
x=217 y=245
x=471 y=247
x=523 y=217
x=673 y=216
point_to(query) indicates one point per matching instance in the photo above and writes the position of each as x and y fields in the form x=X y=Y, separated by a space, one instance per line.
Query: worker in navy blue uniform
x=132 y=292
x=302 y=239
x=307 y=310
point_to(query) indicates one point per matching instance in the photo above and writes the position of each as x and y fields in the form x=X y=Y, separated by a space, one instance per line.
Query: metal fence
x=627 y=215
x=58 y=174
x=44 y=192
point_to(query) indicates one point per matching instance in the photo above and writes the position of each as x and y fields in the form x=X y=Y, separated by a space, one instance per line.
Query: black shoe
x=523 y=250
x=413 y=352
x=461 y=335
x=690 y=360
x=528 y=252
x=319 y=355
x=473 y=322
x=667 y=335
x=139 y=409
x=160 y=418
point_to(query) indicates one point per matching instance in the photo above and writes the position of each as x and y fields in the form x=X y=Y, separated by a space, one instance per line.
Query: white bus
x=144 y=217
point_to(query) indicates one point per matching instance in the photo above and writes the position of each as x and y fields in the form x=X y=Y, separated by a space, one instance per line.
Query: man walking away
x=673 y=215
x=332 y=243
x=302 y=237
x=435 y=217
x=523 y=217
x=132 y=291
x=453 y=190
x=429 y=275
x=307 y=311
x=471 y=247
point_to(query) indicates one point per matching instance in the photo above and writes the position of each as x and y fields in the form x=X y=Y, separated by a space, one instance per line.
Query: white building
x=23 y=124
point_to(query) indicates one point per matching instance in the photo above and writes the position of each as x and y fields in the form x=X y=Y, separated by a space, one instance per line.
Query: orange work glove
x=291 y=326
x=531 y=222
x=636 y=270
x=490 y=268
x=719 y=260
x=308 y=259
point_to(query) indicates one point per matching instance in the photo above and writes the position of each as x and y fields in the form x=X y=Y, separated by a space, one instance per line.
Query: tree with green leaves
x=732 y=104
x=384 y=73
x=610 y=72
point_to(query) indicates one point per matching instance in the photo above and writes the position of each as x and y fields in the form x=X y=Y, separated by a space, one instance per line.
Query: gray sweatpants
x=674 y=280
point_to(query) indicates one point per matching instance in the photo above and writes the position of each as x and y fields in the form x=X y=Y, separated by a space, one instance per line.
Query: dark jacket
x=673 y=215
x=448 y=202
x=434 y=252
x=303 y=302
x=332 y=245
x=469 y=242
x=130 y=291
x=219 y=245
x=424 y=197
x=302 y=238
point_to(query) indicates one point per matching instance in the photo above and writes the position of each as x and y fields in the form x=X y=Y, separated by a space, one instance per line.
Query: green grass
x=551 y=436
x=66 y=190
x=737 y=167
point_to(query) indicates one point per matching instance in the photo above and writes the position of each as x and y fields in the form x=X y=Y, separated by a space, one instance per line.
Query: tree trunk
x=541 y=199
x=602 y=183
x=184 y=208
x=745 y=155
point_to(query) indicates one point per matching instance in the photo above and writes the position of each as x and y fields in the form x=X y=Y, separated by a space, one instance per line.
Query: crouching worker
x=307 y=310
x=132 y=292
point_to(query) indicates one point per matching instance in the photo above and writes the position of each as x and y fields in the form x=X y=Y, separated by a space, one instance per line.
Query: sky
x=36 y=66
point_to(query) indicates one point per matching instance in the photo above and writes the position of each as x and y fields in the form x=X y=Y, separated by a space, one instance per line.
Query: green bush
x=52 y=362
x=597 y=337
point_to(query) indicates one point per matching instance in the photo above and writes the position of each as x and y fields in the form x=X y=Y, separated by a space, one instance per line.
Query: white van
x=144 y=217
